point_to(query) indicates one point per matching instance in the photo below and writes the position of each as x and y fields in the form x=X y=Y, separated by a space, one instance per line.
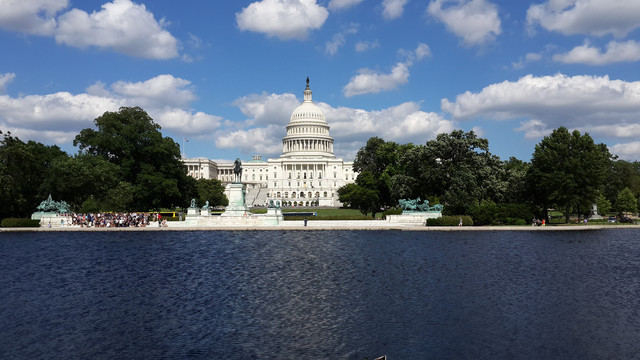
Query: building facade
x=306 y=174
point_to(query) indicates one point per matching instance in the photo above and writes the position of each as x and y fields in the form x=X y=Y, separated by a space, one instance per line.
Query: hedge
x=489 y=213
x=447 y=220
x=19 y=222
x=391 y=212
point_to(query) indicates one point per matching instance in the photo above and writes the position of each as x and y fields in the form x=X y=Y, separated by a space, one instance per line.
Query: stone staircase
x=256 y=197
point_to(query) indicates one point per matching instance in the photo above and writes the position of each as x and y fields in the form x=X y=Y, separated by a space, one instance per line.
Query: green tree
x=626 y=201
x=361 y=197
x=622 y=174
x=147 y=161
x=459 y=168
x=515 y=172
x=79 y=178
x=211 y=191
x=23 y=169
x=603 y=204
x=567 y=170
x=378 y=164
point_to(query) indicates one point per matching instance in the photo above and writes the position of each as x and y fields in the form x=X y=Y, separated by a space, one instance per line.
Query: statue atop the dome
x=307 y=82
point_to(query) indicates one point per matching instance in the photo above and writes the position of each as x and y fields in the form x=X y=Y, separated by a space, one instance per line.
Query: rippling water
x=320 y=295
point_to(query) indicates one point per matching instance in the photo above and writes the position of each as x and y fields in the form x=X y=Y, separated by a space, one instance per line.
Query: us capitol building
x=306 y=174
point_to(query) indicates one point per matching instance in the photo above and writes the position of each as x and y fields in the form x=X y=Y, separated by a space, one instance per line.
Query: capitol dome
x=307 y=131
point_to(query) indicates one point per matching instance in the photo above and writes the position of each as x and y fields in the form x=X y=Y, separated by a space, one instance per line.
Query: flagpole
x=183 y=147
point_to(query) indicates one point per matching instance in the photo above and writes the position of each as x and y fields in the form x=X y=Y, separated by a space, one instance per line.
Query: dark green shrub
x=490 y=213
x=391 y=212
x=449 y=220
x=19 y=222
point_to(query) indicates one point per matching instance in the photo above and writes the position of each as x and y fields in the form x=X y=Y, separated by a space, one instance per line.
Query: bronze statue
x=237 y=170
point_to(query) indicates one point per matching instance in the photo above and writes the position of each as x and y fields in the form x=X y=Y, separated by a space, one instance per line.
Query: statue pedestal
x=193 y=212
x=236 y=207
x=205 y=212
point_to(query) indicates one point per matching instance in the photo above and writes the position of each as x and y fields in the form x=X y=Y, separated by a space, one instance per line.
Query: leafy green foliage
x=212 y=191
x=23 y=169
x=567 y=170
x=603 y=204
x=19 y=222
x=622 y=174
x=75 y=179
x=149 y=163
x=490 y=213
x=360 y=196
x=626 y=201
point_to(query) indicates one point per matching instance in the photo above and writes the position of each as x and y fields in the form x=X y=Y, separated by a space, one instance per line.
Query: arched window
x=310 y=195
x=286 y=194
x=317 y=193
x=325 y=194
x=278 y=194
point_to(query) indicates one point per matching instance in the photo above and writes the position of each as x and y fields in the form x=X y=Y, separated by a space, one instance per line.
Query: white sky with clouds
x=227 y=74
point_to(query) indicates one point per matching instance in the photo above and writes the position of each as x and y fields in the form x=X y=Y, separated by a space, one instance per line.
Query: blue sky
x=227 y=74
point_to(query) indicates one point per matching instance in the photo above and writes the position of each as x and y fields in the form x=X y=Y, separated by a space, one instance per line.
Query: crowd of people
x=108 y=220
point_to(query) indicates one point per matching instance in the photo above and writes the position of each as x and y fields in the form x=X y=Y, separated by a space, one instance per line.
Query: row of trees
x=568 y=171
x=124 y=164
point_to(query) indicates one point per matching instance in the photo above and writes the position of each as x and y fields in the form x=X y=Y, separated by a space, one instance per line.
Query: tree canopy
x=148 y=162
x=567 y=170
x=23 y=169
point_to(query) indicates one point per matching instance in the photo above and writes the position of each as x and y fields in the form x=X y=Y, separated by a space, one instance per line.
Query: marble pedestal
x=237 y=206
x=193 y=212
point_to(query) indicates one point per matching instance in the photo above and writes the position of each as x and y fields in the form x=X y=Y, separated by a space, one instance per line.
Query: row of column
x=312 y=145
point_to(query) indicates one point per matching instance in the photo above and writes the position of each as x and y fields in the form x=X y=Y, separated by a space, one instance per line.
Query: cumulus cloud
x=592 y=17
x=197 y=125
x=58 y=117
x=284 y=19
x=338 y=40
x=627 y=151
x=35 y=17
x=595 y=104
x=628 y=51
x=121 y=25
x=52 y=118
x=4 y=80
x=160 y=91
x=265 y=109
x=534 y=129
x=268 y=115
x=402 y=123
x=393 y=9
x=362 y=46
x=475 y=21
x=371 y=82
x=528 y=58
x=342 y=4
x=266 y=140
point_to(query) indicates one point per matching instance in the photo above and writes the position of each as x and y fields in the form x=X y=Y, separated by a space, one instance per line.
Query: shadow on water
x=320 y=295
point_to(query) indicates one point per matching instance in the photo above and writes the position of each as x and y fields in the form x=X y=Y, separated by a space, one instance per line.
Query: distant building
x=306 y=174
